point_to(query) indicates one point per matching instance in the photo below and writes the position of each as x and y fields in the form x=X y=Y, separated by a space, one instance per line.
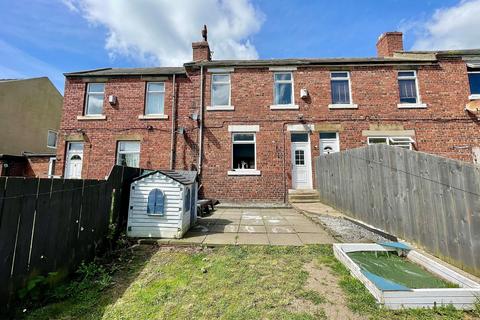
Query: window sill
x=245 y=172
x=153 y=117
x=411 y=105
x=96 y=117
x=474 y=97
x=343 y=106
x=220 y=108
x=284 y=107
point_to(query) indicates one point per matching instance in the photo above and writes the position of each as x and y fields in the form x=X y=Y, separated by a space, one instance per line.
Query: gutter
x=200 y=138
x=174 y=111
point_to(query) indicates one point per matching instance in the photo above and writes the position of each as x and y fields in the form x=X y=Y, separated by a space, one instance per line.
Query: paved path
x=255 y=226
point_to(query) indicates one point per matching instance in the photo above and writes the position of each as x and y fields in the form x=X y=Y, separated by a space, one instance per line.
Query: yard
x=228 y=282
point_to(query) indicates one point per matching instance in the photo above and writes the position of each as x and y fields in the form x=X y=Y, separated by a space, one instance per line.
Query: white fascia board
x=244 y=128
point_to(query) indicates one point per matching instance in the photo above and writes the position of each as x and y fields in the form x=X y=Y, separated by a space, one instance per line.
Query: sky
x=50 y=37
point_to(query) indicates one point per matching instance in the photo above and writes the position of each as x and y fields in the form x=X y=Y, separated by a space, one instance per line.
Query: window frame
x=128 y=152
x=56 y=139
x=163 y=213
x=244 y=142
x=390 y=140
x=146 y=98
x=221 y=106
x=291 y=81
x=52 y=161
x=349 y=79
x=417 y=88
x=88 y=94
x=473 y=96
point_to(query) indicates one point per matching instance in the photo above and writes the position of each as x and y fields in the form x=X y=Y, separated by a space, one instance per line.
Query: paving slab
x=221 y=238
x=252 y=229
x=253 y=238
x=191 y=237
x=315 y=238
x=252 y=222
x=276 y=222
x=227 y=228
x=284 y=239
x=308 y=228
x=280 y=229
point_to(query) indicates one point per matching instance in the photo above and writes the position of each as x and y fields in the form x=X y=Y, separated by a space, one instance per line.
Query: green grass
x=257 y=282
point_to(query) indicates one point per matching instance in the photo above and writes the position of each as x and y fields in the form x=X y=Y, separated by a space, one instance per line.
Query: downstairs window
x=243 y=151
x=402 y=142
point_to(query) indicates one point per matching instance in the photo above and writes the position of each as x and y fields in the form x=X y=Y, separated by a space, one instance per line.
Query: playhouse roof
x=182 y=176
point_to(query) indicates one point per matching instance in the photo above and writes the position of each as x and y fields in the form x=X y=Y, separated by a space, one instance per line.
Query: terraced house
x=251 y=128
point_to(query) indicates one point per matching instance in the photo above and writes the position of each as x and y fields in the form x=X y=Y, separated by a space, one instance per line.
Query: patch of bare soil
x=323 y=281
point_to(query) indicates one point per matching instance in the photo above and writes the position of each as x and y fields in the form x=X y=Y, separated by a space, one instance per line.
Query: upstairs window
x=155 y=98
x=474 y=80
x=94 y=99
x=340 y=86
x=221 y=90
x=156 y=202
x=407 y=83
x=52 y=139
x=283 y=89
x=128 y=154
x=402 y=142
x=243 y=151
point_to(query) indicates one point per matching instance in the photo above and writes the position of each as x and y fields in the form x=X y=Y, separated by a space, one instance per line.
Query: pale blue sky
x=47 y=38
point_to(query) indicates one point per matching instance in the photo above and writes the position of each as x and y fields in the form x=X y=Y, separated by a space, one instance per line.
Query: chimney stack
x=388 y=43
x=201 y=49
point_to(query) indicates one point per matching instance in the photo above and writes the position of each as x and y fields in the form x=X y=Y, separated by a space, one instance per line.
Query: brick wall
x=443 y=128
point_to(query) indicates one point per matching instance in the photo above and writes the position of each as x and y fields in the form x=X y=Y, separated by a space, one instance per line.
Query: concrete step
x=303 y=196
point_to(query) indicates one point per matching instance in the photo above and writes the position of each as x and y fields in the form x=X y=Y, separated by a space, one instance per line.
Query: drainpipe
x=200 y=132
x=172 y=146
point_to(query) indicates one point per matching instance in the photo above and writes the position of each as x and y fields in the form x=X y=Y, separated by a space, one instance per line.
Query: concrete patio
x=252 y=226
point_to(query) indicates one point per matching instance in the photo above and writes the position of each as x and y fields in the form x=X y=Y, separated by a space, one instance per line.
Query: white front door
x=301 y=161
x=329 y=142
x=74 y=160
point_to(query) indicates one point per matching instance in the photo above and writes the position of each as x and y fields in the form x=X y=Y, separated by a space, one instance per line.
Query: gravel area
x=346 y=231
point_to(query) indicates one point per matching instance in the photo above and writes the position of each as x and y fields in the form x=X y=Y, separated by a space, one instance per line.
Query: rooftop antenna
x=204 y=32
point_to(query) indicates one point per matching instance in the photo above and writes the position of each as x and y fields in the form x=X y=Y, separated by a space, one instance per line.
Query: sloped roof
x=127 y=72
x=182 y=176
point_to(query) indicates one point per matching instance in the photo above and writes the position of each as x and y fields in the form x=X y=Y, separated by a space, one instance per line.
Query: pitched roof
x=127 y=72
x=182 y=176
x=309 y=62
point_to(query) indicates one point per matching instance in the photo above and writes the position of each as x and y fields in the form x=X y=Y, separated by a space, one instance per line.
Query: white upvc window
x=474 y=82
x=221 y=91
x=155 y=99
x=341 y=90
x=94 y=99
x=128 y=153
x=340 y=83
x=244 y=152
x=402 y=142
x=51 y=167
x=408 y=90
x=52 y=139
x=283 y=88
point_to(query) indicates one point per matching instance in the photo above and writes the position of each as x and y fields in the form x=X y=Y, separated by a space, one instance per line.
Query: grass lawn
x=256 y=282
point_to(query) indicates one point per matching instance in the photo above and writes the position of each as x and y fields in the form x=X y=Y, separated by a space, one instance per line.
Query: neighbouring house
x=30 y=118
x=251 y=128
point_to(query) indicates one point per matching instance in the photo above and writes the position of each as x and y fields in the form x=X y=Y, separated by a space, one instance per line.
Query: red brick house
x=252 y=127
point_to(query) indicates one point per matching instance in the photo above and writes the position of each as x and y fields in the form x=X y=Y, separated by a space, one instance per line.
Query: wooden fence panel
x=429 y=200
x=52 y=225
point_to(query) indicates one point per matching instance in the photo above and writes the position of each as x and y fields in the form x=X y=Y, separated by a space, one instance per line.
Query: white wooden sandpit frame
x=461 y=298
